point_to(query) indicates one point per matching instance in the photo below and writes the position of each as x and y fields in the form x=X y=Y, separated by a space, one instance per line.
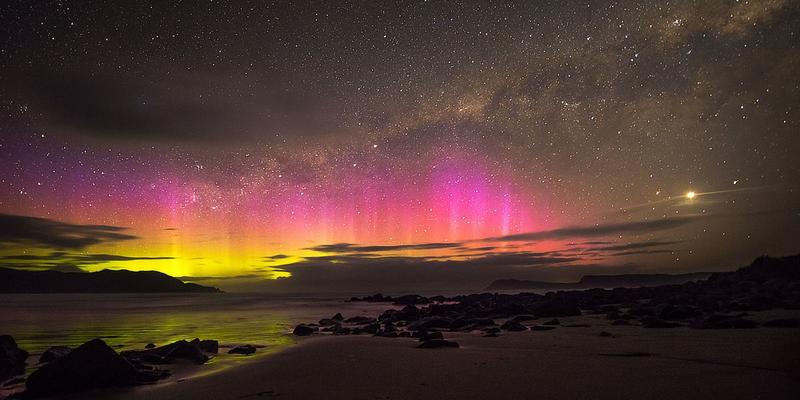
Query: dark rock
x=92 y=365
x=53 y=353
x=12 y=358
x=425 y=335
x=371 y=328
x=577 y=326
x=150 y=346
x=411 y=299
x=341 y=330
x=723 y=322
x=557 y=307
x=246 y=349
x=303 y=330
x=183 y=350
x=783 y=323
x=523 y=318
x=428 y=323
x=652 y=322
x=513 y=326
x=408 y=313
x=492 y=329
x=404 y=334
x=554 y=321
x=331 y=328
x=470 y=324
x=338 y=317
x=621 y=322
x=542 y=328
x=437 y=343
x=641 y=311
x=605 y=334
x=360 y=320
x=208 y=346
x=675 y=312
x=328 y=322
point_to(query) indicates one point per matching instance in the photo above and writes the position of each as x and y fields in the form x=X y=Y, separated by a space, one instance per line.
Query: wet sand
x=573 y=363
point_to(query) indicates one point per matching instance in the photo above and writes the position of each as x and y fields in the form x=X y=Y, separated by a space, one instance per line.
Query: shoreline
x=566 y=362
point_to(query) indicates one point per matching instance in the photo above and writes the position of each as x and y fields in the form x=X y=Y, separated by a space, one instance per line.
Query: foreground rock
x=54 y=353
x=196 y=351
x=12 y=358
x=437 y=343
x=92 y=365
x=705 y=304
x=303 y=330
x=513 y=326
x=245 y=349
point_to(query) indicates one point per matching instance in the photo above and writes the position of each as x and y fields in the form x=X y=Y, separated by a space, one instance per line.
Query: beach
x=567 y=362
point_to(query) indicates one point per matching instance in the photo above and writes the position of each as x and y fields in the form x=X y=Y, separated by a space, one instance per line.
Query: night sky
x=371 y=144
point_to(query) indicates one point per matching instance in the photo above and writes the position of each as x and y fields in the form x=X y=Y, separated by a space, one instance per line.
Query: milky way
x=242 y=138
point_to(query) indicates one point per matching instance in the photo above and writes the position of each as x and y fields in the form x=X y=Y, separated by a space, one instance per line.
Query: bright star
x=690 y=195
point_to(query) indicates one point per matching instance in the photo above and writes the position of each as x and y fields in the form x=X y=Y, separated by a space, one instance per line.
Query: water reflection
x=129 y=321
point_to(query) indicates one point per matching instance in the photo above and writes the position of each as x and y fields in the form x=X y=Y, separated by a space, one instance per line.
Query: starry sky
x=371 y=144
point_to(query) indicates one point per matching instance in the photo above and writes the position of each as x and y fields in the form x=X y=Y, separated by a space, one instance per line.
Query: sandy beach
x=568 y=362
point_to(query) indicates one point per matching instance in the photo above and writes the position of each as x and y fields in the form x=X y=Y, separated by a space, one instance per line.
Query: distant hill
x=601 y=281
x=105 y=281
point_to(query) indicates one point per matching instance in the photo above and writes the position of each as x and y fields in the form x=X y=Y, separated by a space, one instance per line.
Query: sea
x=130 y=321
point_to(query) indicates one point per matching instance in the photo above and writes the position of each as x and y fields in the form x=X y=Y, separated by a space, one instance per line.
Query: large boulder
x=208 y=345
x=303 y=330
x=54 y=353
x=513 y=326
x=12 y=358
x=194 y=351
x=92 y=365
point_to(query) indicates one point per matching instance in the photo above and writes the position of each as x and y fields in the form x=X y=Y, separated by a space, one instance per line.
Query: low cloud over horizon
x=568 y=254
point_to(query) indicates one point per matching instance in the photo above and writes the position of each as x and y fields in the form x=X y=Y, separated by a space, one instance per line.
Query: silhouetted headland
x=105 y=281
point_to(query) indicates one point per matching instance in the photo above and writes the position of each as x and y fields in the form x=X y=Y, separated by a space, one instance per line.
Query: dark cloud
x=18 y=230
x=637 y=245
x=635 y=228
x=352 y=248
x=66 y=262
x=343 y=272
x=218 y=278
x=638 y=252
x=111 y=107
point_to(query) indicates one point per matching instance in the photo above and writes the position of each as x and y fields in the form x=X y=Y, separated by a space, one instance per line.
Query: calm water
x=129 y=321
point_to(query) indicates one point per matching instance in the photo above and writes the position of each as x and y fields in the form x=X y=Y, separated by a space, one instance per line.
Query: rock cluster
x=12 y=358
x=91 y=365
